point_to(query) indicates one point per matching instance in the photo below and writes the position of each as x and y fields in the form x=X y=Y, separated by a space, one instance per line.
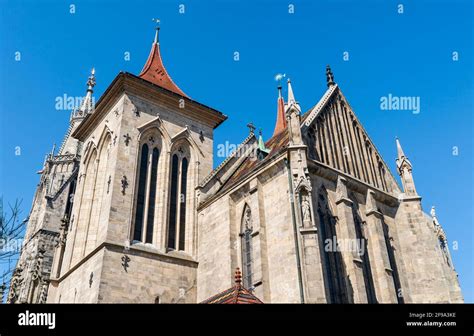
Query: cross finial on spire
x=238 y=276
x=251 y=127
x=91 y=81
x=157 y=28
x=329 y=76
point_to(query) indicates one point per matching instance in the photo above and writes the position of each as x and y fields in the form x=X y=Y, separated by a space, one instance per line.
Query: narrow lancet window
x=178 y=200
x=246 y=236
x=140 y=207
x=152 y=196
x=334 y=272
x=173 y=203
x=182 y=199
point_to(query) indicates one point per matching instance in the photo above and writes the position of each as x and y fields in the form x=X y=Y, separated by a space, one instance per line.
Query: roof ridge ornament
x=329 y=76
x=91 y=81
x=238 y=277
x=251 y=127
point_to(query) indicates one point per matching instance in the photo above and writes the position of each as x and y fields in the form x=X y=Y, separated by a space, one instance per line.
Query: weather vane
x=279 y=77
x=157 y=21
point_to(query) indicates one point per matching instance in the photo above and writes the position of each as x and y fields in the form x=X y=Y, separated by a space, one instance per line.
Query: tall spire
x=87 y=104
x=329 y=76
x=404 y=168
x=400 y=153
x=154 y=71
x=293 y=117
x=280 y=124
x=291 y=97
x=401 y=158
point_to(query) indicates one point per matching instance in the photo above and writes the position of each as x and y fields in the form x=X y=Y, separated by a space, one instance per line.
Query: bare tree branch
x=11 y=234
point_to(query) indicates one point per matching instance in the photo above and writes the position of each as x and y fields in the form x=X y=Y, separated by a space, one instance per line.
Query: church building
x=130 y=210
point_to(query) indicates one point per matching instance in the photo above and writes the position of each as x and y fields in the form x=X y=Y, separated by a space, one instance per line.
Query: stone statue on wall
x=248 y=218
x=306 y=209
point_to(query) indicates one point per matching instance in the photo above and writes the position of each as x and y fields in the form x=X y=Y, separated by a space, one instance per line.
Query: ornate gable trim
x=157 y=123
x=308 y=120
x=186 y=134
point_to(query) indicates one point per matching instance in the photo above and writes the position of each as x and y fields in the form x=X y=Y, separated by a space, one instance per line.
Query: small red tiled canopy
x=155 y=72
x=237 y=294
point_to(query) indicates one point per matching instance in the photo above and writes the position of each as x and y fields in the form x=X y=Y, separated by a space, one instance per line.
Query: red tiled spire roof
x=154 y=71
x=236 y=294
x=281 y=119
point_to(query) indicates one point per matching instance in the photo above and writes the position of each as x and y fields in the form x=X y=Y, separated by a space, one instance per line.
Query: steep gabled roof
x=315 y=117
x=236 y=294
x=275 y=145
x=319 y=116
x=247 y=141
x=154 y=71
x=248 y=164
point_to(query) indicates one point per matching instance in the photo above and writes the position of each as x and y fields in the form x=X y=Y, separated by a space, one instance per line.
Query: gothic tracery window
x=332 y=260
x=389 y=243
x=140 y=202
x=146 y=194
x=178 y=199
x=363 y=255
x=99 y=190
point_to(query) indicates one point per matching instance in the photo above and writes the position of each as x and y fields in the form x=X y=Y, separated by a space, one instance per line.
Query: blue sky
x=409 y=54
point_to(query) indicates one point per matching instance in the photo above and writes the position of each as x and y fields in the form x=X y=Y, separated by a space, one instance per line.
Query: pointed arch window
x=334 y=272
x=178 y=200
x=146 y=194
x=246 y=246
x=182 y=209
x=152 y=195
x=140 y=205
x=389 y=243
x=363 y=255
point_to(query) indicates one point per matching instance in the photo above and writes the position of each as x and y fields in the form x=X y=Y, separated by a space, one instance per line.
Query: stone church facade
x=130 y=210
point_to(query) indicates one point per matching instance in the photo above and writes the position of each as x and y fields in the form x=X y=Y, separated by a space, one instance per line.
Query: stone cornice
x=332 y=174
x=128 y=83
x=133 y=250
